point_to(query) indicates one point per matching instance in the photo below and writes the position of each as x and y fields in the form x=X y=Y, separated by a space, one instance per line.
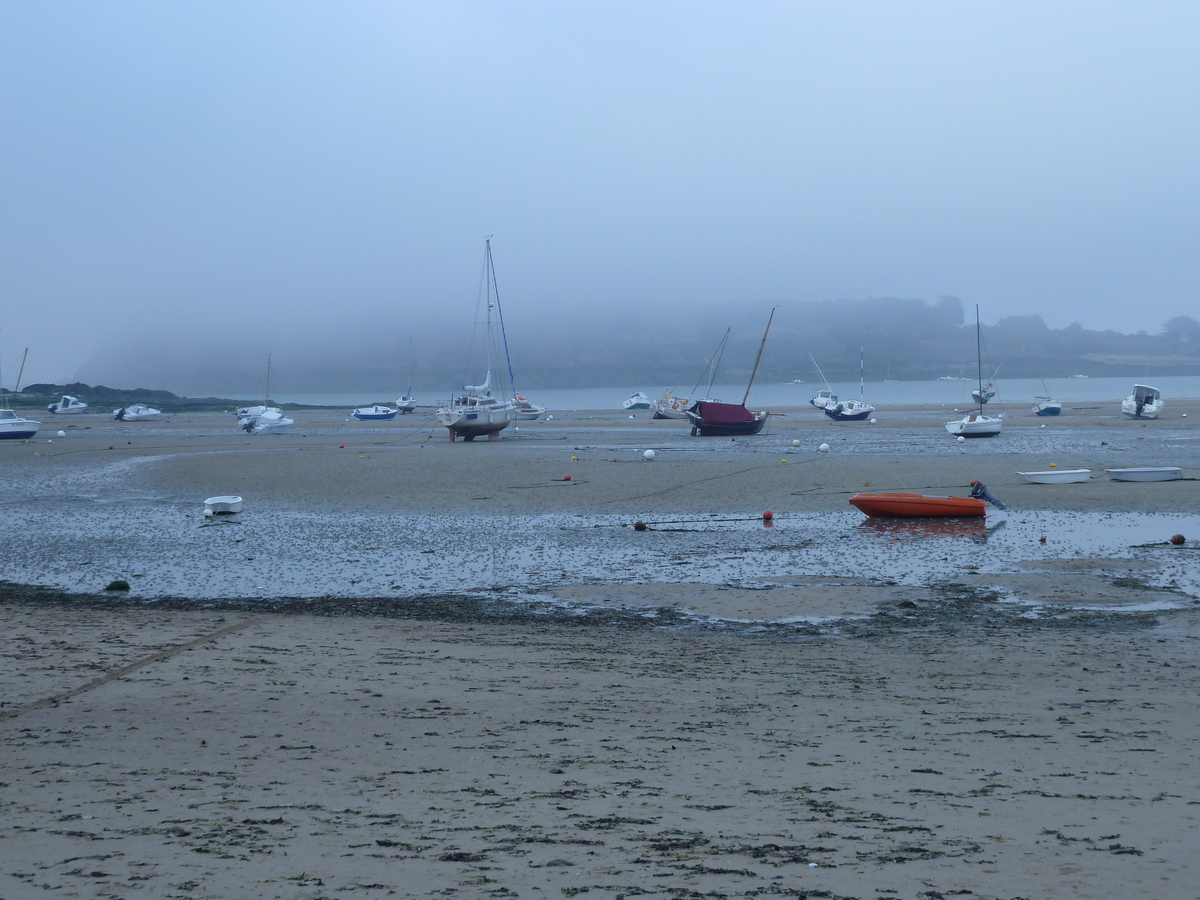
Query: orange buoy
x=1177 y=539
x=768 y=516
x=566 y=478
x=341 y=446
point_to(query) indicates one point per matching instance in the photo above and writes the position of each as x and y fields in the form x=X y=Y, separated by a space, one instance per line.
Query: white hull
x=637 y=401
x=471 y=417
x=1057 y=476
x=271 y=419
x=16 y=428
x=668 y=407
x=67 y=405
x=975 y=425
x=1146 y=473
x=227 y=504
x=135 y=412
x=1144 y=403
x=525 y=411
x=406 y=404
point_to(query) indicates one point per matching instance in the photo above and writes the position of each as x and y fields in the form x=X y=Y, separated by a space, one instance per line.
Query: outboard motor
x=980 y=492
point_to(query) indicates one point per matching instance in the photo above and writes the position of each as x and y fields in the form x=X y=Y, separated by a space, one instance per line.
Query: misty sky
x=228 y=179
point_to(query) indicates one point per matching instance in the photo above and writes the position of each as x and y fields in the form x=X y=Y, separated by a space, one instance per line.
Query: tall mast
x=267 y=399
x=761 y=344
x=862 y=390
x=495 y=290
x=21 y=372
x=979 y=358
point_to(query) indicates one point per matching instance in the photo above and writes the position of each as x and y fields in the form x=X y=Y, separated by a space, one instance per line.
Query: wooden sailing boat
x=711 y=418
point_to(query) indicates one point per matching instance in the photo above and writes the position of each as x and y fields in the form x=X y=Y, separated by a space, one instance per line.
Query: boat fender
x=980 y=492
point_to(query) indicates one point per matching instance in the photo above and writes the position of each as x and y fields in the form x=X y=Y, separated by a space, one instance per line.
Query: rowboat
x=1146 y=473
x=223 y=505
x=904 y=505
x=1057 y=476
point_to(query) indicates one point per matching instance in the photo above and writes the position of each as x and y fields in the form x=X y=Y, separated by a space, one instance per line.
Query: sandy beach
x=413 y=668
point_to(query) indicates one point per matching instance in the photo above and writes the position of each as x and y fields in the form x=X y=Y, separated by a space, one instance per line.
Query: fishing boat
x=1144 y=403
x=1057 y=476
x=483 y=409
x=15 y=427
x=905 y=505
x=136 y=412
x=263 y=418
x=374 y=413
x=977 y=424
x=637 y=400
x=852 y=410
x=526 y=410
x=67 y=405
x=712 y=418
x=1146 y=473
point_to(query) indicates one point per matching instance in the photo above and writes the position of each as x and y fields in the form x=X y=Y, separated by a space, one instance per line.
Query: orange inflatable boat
x=916 y=505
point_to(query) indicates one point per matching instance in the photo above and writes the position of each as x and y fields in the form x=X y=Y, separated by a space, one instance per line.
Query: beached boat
x=824 y=399
x=906 y=505
x=1057 y=476
x=977 y=424
x=406 y=403
x=1144 y=403
x=15 y=427
x=527 y=411
x=66 y=405
x=374 y=413
x=1146 y=473
x=136 y=412
x=223 y=505
x=669 y=407
x=852 y=410
x=1044 y=406
x=637 y=400
x=263 y=418
x=480 y=411
x=712 y=418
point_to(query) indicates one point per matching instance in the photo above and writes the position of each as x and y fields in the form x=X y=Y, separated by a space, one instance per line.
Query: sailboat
x=406 y=403
x=671 y=405
x=1043 y=405
x=976 y=424
x=711 y=418
x=259 y=419
x=852 y=410
x=482 y=408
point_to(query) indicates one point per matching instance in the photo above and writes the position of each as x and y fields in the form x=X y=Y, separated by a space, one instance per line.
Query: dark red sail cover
x=713 y=413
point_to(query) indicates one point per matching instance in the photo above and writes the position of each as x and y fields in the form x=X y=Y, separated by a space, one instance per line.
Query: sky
x=213 y=181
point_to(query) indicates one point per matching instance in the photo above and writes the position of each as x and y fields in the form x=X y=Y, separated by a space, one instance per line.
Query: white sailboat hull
x=975 y=425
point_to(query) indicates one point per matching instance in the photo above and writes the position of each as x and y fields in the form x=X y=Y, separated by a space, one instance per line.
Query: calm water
x=1076 y=391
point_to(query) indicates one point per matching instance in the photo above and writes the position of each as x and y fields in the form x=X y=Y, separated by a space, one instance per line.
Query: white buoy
x=631 y=417
x=1043 y=425
x=961 y=439
x=64 y=434
x=873 y=421
x=648 y=455
x=824 y=448
x=548 y=418
x=208 y=513
x=795 y=443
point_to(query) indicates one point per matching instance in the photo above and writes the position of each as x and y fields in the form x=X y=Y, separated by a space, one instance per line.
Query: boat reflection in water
x=908 y=529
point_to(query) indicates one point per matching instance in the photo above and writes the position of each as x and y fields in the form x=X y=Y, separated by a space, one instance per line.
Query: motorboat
x=906 y=505
x=852 y=410
x=136 y=412
x=525 y=410
x=712 y=418
x=637 y=400
x=1144 y=403
x=977 y=424
x=824 y=399
x=374 y=413
x=478 y=411
x=1146 y=473
x=15 y=427
x=66 y=405
x=1044 y=406
x=225 y=505
x=1057 y=476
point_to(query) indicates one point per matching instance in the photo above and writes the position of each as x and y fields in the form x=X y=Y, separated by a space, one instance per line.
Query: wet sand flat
x=816 y=709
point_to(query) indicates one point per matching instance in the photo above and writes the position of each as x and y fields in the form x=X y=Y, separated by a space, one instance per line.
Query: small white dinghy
x=1057 y=476
x=217 y=506
x=1146 y=473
